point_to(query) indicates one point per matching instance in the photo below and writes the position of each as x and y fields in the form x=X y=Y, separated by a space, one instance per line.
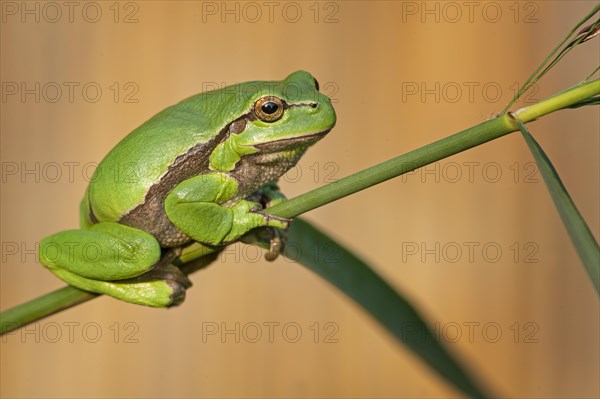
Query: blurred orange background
x=474 y=240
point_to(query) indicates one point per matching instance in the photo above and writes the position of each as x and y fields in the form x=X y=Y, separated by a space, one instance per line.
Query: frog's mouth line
x=285 y=144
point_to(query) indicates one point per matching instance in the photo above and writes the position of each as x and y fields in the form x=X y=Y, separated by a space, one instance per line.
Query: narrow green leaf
x=596 y=69
x=580 y=234
x=538 y=73
x=319 y=253
x=587 y=102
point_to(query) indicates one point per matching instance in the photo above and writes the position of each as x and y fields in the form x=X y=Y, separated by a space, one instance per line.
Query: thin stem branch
x=536 y=75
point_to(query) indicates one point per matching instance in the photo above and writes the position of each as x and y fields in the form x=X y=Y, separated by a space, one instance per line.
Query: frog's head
x=287 y=114
x=282 y=119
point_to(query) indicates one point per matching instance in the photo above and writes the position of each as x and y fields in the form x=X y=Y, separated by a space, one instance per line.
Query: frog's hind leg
x=110 y=258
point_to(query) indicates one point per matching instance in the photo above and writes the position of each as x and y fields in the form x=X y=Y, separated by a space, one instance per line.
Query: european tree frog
x=193 y=172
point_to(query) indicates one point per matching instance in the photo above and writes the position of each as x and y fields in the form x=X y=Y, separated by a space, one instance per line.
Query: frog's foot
x=277 y=241
x=271 y=238
x=166 y=272
x=170 y=273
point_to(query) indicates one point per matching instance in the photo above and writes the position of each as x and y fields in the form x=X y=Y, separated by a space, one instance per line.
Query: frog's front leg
x=112 y=259
x=272 y=238
x=194 y=206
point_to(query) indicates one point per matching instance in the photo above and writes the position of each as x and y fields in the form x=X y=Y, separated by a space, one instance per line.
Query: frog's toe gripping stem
x=270 y=238
x=167 y=273
x=176 y=283
x=277 y=243
x=274 y=236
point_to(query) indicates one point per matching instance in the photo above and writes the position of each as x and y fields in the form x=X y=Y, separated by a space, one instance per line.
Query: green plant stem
x=489 y=130
x=43 y=306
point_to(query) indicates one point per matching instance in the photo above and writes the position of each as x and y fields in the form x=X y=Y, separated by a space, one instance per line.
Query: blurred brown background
x=519 y=308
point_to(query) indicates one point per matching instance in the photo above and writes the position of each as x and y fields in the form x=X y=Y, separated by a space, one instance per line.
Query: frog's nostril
x=314 y=105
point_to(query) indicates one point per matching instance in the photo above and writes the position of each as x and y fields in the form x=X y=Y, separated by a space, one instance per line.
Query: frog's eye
x=268 y=108
x=316 y=84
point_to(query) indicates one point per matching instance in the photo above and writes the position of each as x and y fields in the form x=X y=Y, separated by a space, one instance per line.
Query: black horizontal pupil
x=269 y=107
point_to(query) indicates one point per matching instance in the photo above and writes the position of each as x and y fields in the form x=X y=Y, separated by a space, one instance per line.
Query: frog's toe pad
x=170 y=276
x=270 y=238
x=178 y=292
x=174 y=274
